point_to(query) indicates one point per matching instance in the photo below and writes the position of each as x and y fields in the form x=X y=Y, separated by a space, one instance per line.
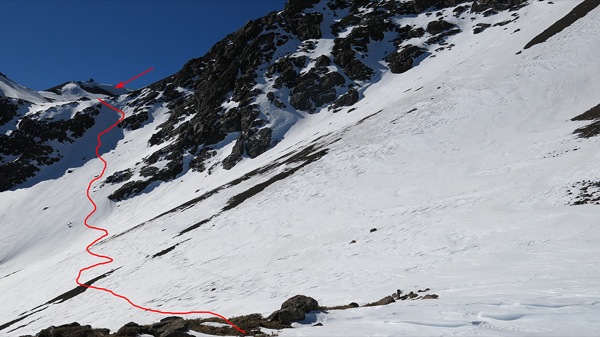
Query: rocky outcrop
x=293 y=7
x=8 y=109
x=271 y=61
x=294 y=309
x=347 y=99
x=384 y=301
x=236 y=154
x=129 y=189
x=28 y=147
x=438 y=26
x=403 y=60
x=306 y=26
x=498 y=5
x=119 y=177
x=592 y=129
x=258 y=142
x=315 y=88
x=72 y=330
x=585 y=192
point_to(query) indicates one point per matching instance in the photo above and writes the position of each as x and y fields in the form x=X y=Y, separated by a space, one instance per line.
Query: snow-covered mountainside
x=337 y=149
x=42 y=134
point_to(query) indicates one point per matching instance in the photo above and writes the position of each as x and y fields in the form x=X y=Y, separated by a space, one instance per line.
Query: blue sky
x=45 y=43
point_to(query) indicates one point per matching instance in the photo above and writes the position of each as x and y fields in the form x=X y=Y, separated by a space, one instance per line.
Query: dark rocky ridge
x=270 y=62
x=229 y=73
x=592 y=129
x=577 y=13
x=8 y=109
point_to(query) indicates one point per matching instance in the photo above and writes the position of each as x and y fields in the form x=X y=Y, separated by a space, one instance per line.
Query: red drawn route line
x=108 y=259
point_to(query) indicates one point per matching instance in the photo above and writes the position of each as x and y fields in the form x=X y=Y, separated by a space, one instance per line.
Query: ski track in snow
x=108 y=259
x=453 y=172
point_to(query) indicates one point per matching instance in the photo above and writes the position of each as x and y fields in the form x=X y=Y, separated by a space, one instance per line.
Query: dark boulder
x=384 y=301
x=170 y=327
x=322 y=61
x=431 y=297
x=148 y=171
x=403 y=61
x=130 y=329
x=119 y=177
x=436 y=27
x=129 y=189
x=416 y=32
x=294 y=309
x=480 y=27
x=347 y=99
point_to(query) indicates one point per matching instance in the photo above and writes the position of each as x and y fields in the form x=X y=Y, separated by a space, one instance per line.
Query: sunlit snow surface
x=11 y=89
x=462 y=191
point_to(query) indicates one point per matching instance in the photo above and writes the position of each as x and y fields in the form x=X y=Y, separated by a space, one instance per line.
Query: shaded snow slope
x=462 y=164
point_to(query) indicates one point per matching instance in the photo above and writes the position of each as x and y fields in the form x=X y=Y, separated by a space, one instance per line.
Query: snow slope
x=467 y=192
x=11 y=89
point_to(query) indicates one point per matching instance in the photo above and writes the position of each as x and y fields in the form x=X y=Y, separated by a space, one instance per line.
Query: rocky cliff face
x=315 y=56
x=35 y=131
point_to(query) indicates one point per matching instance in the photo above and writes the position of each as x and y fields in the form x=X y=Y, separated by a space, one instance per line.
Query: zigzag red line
x=108 y=259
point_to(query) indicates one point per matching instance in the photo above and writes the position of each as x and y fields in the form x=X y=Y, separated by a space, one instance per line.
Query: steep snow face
x=462 y=164
x=11 y=89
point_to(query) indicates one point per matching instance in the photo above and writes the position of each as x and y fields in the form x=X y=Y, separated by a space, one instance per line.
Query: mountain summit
x=342 y=150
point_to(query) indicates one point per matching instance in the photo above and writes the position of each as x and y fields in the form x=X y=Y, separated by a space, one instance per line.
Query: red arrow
x=122 y=84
